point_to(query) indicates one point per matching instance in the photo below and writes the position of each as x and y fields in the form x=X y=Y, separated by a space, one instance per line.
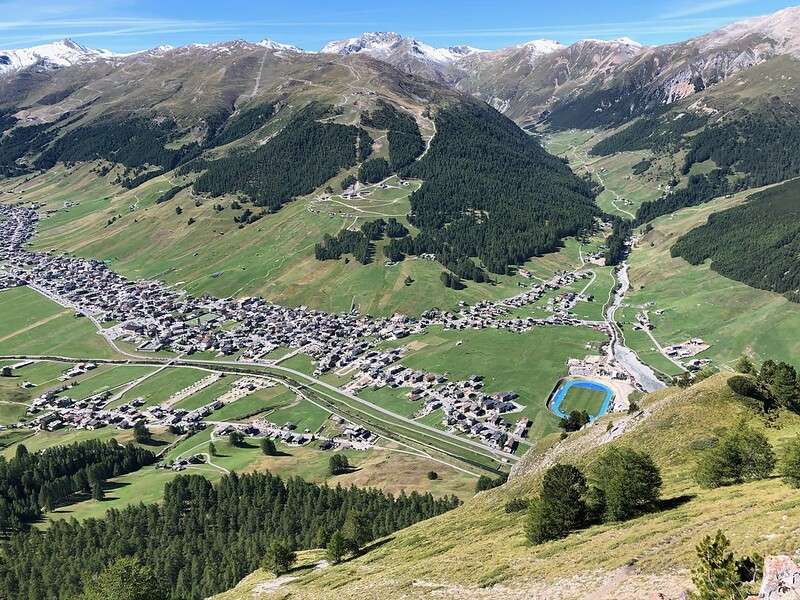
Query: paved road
x=627 y=358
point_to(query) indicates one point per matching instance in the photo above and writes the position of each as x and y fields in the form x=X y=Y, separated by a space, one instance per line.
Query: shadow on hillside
x=671 y=503
x=154 y=443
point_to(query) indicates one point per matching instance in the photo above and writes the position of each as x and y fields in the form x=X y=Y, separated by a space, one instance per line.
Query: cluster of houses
x=55 y=409
x=152 y=317
x=155 y=317
x=346 y=435
x=686 y=349
x=465 y=407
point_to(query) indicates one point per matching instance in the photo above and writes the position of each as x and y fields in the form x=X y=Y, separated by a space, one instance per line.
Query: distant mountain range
x=588 y=83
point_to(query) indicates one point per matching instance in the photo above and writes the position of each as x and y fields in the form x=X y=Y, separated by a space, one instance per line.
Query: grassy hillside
x=697 y=302
x=479 y=551
x=756 y=243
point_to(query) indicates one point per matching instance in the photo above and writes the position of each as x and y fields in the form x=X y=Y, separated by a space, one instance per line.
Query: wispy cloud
x=20 y=32
x=701 y=8
x=592 y=30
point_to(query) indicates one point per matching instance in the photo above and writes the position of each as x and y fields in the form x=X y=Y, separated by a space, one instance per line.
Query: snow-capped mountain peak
x=383 y=44
x=542 y=46
x=373 y=40
x=273 y=45
x=62 y=53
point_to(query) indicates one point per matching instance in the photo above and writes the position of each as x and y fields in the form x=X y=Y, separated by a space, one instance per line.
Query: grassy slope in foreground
x=479 y=551
x=698 y=302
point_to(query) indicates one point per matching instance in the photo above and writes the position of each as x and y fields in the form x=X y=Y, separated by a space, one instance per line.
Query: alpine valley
x=391 y=320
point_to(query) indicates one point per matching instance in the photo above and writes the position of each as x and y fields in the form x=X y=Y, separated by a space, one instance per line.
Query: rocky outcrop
x=781 y=578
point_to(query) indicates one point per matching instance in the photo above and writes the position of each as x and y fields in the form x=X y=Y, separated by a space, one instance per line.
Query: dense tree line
x=452 y=281
x=465 y=268
x=358 y=243
x=403 y=135
x=171 y=193
x=204 y=538
x=395 y=229
x=641 y=167
x=756 y=243
x=243 y=123
x=373 y=170
x=616 y=249
x=133 y=142
x=749 y=149
x=18 y=142
x=773 y=385
x=303 y=156
x=699 y=189
x=656 y=132
x=133 y=182
x=491 y=191
x=764 y=146
x=365 y=142
x=33 y=482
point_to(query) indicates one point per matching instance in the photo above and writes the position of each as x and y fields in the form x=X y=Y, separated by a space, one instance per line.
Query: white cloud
x=593 y=30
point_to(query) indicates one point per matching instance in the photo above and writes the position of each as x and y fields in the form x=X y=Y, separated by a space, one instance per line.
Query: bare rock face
x=781 y=578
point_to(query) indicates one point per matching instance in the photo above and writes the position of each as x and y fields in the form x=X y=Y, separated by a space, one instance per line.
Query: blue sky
x=126 y=25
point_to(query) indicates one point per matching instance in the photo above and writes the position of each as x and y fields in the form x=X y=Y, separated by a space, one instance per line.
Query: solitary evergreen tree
x=560 y=508
x=630 y=482
x=744 y=365
x=124 y=579
x=338 y=464
x=140 y=433
x=212 y=449
x=235 y=438
x=742 y=454
x=336 y=548
x=268 y=447
x=790 y=465
x=279 y=558
x=718 y=575
x=784 y=385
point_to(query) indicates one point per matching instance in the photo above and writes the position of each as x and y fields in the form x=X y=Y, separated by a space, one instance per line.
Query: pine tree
x=336 y=548
x=784 y=385
x=97 y=490
x=124 y=579
x=716 y=576
x=279 y=558
x=338 y=464
x=790 y=465
x=629 y=482
x=356 y=530
x=744 y=365
x=561 y=507
x=140 y=433
x=268 y=447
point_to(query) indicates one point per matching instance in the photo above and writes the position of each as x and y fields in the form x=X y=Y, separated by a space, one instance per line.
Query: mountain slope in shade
x=525 y=80
x=63 y=53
